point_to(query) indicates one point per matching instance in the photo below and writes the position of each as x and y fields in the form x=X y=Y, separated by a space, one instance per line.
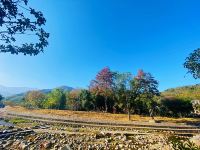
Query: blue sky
x=86 y=35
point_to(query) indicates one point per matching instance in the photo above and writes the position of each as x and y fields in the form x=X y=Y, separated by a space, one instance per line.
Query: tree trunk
x=128 y=109
x=106 y=106
x=129 y=115
x=151 y=112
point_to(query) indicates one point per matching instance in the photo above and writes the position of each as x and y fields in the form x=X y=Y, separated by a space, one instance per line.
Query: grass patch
x=18 y=120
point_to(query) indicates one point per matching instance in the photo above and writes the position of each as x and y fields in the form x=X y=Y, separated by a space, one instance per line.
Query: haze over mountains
x=11 y=91
x=8 y=91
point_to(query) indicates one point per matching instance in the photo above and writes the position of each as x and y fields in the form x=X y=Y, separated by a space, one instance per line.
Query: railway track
x=176 y=129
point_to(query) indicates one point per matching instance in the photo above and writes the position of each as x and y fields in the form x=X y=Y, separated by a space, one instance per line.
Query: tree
x=123 y=90
x=144 y=86
x=1 y=97
x=17 y=22
x=192 y=63
x=103 y=85
x=34 y=99
x=56 y=100
x=73 y=100
x=1 y=103
x=87 y=102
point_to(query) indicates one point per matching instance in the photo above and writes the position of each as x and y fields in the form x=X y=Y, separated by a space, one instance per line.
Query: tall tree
x=19 y=21
x=87 y=102
x=147 y=87
x=123 y=90
x=129 y=88
x=56 y=99
x=103 y=84
x=192 y=63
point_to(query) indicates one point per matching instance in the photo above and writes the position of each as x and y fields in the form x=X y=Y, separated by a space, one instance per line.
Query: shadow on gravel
x=196 y=124
x=4 y=123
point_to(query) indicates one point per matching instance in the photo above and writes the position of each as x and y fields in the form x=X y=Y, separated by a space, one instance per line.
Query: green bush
x=175 y=107
x=184 y=145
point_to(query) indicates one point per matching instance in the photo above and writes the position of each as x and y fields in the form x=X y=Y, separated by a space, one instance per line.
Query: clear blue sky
x=125 y=35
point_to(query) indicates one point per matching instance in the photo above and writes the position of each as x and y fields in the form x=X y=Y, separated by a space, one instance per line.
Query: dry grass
x=98 y=115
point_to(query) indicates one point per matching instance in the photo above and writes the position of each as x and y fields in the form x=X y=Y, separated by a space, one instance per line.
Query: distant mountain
x=65 y=88
x=17 y=98
x=9 y=91
x=187 y=92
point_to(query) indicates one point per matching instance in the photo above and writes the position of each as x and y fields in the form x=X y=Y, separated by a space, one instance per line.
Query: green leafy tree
x=123 y=91
x=34 y=99
x=1 y=103
x=144 y=86
x=87 y=102
x=130 y=91
x=19 y=21
x=56 y=100
x=1 y=97
x=99 y=101
x=192 y=63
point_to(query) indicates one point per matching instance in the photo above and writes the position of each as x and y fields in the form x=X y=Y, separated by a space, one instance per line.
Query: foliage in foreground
x=192 y=63
x=18 y=22
x=184 y=145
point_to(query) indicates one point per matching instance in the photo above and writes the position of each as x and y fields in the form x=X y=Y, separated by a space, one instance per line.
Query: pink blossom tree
x=103 y=84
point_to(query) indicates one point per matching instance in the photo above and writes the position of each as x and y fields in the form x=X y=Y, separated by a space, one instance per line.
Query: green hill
x=186 y=92
x=17 y=98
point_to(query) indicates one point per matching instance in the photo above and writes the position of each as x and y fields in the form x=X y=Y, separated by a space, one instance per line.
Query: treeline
x=1 y=103
x=116 y=93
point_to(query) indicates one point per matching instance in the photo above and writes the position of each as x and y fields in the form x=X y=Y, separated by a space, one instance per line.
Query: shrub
x=184 y=145
x=176 y=107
